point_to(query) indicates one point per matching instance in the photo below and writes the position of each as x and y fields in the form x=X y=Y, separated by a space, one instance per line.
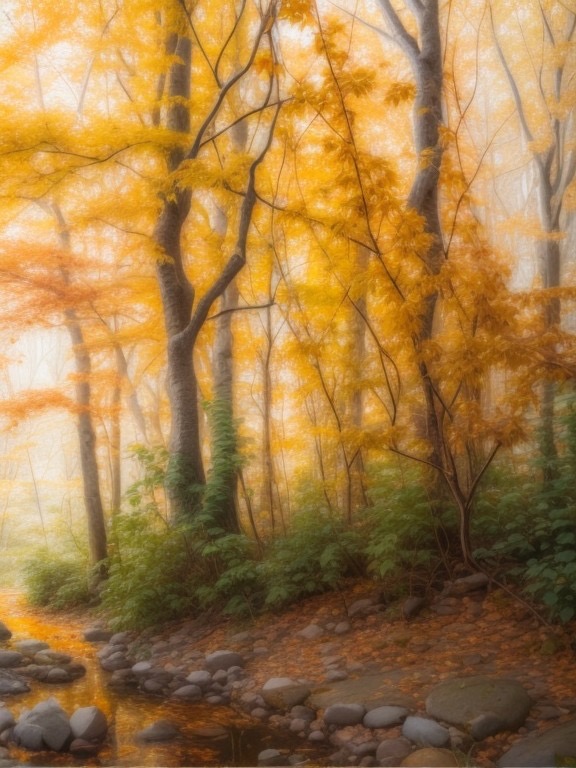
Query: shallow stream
x=211 y=735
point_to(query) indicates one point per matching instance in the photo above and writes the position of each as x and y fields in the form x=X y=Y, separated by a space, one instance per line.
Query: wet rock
x=284 y=693
x=391 y=752
x=344 y=714
x=57 y=675
x=52 y=657
x=311 y=632
x=10 y=659
x=430 y=757
x=5 y=633
x=30 y=647
x=541 y=750
x=97 y=635
x=384 y=717
x=161 y=730
x=46 y=725
x=188 y=692
x=271 y=757
x=424 y=732
x=89 y=723
x=10 y=683
x=459 y=701
x=223 y=660
x=6 y=719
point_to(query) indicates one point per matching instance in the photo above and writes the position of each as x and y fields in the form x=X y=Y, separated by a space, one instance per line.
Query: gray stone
x=57 y=675
x=466 y=584
x=424 y=732
x=89 y=723
x=461 y=700
x=52 y=657
x=316 y=736
x=342 y=628
x=305 y=713
x=271 y=757
x=223 y=660
x=30 y=647
x=141 y=667
x=97 y=634
x=11 y=683
x=119 y=638
x=116 y=660
x=391 y=752
x=6 y=719
x=361 y=607
x=311 y=632
x=371 y=690
x=542 y=750
x=333 y=675
x=485 y=725
x=161 y=730
x=412 y=606
x=188 y=692
x=10 y=659
x=384 y=717
x=203 y=678
x=284 y=693
x=49 y=719
x=5 y=633
x=82 y=748
x=344 y=714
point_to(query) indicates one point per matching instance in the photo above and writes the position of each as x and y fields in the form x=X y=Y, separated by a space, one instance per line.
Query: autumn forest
x=287 y=297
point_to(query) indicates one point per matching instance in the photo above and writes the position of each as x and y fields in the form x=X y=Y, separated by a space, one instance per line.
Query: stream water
x=210 y=735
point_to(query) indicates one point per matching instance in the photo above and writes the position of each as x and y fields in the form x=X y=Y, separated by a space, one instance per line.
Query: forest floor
x=495 y=637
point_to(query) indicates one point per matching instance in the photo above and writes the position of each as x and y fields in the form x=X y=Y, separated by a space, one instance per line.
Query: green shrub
x=317 y=553
x=403 y=530
x=56 y=581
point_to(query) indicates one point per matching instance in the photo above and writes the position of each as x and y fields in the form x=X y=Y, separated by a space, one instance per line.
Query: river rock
x=283 y=693
x=188 y=692
x=311 y=632
x=271 y=757
x=424 y=732
x=541 y=750
x=57 y=675
x=223 y=660
x=46 y=725
x=391 y=752
x=30 y=647
x=116 y=660
x=11 y=683
x=81 y=748
x=344 y=714
x=5 y=633
x=161 y=730
x=97 y=634
x=6 y=719
x=371 y=690
x=465 y=585
x=52 y=657
x=203 y=678
x=384 y=717
x=461 y=700
x=89 y=723
x=141 y=668
x=430 y=757
x=10 y=659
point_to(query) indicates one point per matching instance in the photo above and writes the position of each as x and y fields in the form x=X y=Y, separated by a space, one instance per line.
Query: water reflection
x=209 y=735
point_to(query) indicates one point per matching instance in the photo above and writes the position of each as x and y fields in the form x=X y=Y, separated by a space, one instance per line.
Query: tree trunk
x=87 y=442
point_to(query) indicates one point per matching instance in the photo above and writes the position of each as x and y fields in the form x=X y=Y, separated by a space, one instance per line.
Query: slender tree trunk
x=87 y=442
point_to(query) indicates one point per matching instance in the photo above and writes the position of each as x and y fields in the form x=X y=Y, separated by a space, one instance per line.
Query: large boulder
x=88 y=724
x=44 y=726
x=424 y=732
x=462 y=701
x=543 y=749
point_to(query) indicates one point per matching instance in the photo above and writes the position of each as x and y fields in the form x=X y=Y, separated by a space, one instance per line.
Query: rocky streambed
x=427 y=687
